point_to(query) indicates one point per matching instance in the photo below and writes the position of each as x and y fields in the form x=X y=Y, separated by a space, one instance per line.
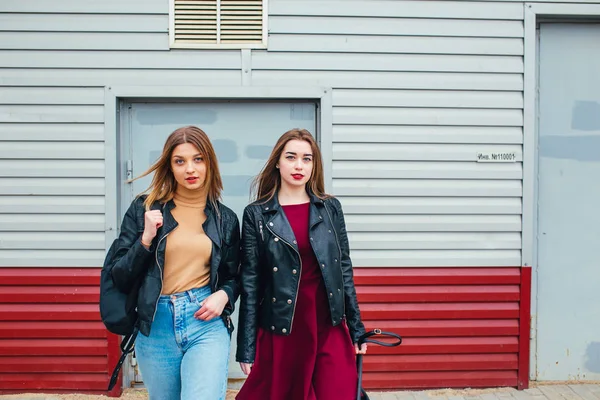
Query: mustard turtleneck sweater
x=188 y=251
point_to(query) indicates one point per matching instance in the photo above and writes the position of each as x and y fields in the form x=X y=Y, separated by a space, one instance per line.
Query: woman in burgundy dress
x=299 y=317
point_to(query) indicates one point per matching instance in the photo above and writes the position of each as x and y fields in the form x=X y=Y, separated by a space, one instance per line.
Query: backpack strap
x=126 y=348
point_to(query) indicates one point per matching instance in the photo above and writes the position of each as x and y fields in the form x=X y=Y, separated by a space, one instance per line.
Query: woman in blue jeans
x=181 y=245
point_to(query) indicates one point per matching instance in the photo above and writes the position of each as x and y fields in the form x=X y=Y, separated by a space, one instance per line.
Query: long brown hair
x=268 y=181
x=163 y=185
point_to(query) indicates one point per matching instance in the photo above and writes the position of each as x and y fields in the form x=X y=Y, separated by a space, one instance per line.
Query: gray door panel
x=568 y=320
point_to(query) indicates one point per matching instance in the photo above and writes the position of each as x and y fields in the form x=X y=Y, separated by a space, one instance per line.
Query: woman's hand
x=153 y=220
x=246 y=368
x=362 y=350
x=212 y=306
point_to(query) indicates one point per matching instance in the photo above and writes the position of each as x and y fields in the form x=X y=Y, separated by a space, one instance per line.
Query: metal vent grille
x=216 y=22
x=196 y=21
x=241 y=21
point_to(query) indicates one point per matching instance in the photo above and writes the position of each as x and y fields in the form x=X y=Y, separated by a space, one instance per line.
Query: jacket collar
x=211 y=226
x=278 y=223
x=272 y=205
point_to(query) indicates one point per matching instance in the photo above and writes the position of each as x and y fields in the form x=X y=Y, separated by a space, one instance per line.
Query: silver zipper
x=217 y=279
x=260 y=228
x=161 y=275
x=337 y=241
x=299 y=274
x=221 y=248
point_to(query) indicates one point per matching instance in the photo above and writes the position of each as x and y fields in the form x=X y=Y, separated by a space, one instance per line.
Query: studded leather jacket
x=271 y=265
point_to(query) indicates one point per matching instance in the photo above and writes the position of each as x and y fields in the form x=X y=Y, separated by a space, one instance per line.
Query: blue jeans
x=184 y=358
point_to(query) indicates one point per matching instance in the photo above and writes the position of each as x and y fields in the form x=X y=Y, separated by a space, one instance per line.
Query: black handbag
x=366 y=338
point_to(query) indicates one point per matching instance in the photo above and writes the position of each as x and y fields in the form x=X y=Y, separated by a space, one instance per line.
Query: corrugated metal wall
x=419 y=89
x=51 y=336
x=461 y=327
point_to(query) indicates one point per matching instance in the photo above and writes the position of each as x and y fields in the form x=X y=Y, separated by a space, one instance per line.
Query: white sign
x=510 y=156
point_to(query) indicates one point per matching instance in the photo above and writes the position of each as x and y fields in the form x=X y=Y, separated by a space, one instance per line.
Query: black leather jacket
x=270 y=270
x=133 y=262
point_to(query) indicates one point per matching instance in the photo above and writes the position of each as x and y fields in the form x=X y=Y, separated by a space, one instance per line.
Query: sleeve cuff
x=229 y=292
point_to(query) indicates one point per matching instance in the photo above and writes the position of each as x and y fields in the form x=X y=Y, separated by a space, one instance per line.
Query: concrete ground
x=536 y=392
x=540 y=392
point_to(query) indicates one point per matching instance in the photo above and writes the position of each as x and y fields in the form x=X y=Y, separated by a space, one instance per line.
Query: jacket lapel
x=277 y=222
x=211 y=226
x=315 y=217
x=316 y=210
x=169 y=222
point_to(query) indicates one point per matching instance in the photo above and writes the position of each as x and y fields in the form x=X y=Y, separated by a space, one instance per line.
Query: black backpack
x=118 y=310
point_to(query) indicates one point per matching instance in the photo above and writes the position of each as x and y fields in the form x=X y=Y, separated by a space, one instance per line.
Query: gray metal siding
x=418 y=89
x=51 y=175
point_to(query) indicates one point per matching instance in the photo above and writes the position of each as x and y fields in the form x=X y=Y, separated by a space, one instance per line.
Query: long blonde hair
x=268 y=181
x=163 y=185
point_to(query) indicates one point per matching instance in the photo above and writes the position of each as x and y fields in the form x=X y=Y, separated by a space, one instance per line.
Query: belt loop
x=191 y=295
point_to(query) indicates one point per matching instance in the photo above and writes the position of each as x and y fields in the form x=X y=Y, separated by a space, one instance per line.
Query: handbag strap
x=366 y=338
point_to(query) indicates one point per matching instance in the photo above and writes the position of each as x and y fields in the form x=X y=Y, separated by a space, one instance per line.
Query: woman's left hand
x=212 y=306
x=362 y=350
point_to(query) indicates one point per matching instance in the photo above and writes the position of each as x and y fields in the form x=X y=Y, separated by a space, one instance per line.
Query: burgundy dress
x=316 y=361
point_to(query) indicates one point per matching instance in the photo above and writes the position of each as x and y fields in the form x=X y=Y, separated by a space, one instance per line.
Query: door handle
x=129 y=170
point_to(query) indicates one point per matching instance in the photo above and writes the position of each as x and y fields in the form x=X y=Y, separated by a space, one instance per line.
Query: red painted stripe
x=524 y=335
x=448 y=328
x=53 y=347
x=49 y=276
x=460 y=327
x=440 y=362
x=53 y=364
x=53 y=381
x=422 y=380
x=49 y=312
x=440 y=311
x=458 y=345
x=47 y=330
x=413 y=294
x=436 y=276
x=49 y=294
x=51 y=337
